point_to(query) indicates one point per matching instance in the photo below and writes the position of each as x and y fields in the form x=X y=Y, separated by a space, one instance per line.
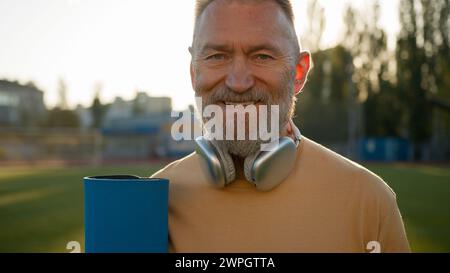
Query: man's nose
x=239 y=77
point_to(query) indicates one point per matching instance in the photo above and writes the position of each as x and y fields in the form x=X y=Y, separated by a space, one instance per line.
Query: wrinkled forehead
x=241 y=23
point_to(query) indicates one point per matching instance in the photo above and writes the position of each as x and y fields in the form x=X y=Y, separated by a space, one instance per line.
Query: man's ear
x=191 y=70
x=302 y=70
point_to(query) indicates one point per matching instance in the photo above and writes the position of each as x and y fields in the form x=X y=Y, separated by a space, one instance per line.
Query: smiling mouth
x=243 y=103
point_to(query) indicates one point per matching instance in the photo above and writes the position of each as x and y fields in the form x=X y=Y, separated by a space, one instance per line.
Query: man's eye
x=216 y=57
x=263 y=57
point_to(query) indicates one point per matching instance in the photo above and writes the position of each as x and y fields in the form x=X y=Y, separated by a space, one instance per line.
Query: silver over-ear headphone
x=265 y=169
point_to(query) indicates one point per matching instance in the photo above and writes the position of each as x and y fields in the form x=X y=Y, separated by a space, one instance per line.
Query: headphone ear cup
x=267 y=169
x=216 y=162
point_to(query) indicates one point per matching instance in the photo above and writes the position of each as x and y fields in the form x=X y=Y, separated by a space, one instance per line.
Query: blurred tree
x=97 y=109
x=423 y=63
x=329 y=77
x=383 y=109
x=316 y=25
x=322 y=109
x=367 y=43
x=405 y=93
x=62 y=93
x=62 y=118
x=326 y=110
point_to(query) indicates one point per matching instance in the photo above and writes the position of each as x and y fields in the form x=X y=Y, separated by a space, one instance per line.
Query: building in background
x=142 y=104
x=21 y=105
x=140 y=129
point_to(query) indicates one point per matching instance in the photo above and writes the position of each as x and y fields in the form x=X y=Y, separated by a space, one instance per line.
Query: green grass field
x=42 y=209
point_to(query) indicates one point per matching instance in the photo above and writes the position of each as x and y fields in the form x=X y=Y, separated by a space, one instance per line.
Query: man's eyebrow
x=249 y=50
x=265 y=46
x=212 y=46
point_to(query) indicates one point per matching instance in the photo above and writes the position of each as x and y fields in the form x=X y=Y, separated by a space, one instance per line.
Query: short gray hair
x=285 y=5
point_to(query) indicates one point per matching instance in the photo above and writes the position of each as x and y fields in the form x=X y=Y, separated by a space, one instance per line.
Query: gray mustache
x=225 y=94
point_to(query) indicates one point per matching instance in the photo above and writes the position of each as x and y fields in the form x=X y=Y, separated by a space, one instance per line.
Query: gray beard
x=245 y=148
x=241 y=148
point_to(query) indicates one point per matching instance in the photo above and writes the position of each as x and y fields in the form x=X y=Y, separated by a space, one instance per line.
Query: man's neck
x=239 y=166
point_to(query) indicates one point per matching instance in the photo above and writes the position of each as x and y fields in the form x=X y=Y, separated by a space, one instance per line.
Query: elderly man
x=309 y=200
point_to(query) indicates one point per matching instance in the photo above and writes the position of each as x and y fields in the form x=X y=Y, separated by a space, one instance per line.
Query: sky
x=124 y=45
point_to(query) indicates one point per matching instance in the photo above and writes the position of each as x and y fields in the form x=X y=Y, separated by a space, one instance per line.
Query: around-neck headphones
x=265 y=169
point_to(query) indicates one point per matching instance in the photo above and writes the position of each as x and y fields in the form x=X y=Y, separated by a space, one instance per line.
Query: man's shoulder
x=185 y=168
x=340 y=171
x=321 y=164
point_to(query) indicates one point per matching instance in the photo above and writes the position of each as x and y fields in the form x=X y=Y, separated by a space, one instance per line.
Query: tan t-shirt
x=327 y=204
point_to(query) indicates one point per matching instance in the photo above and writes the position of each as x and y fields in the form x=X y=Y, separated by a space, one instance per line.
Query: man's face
x=243 y=53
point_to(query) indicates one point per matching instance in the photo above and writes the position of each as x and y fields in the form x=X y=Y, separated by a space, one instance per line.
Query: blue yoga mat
x=126 y=214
